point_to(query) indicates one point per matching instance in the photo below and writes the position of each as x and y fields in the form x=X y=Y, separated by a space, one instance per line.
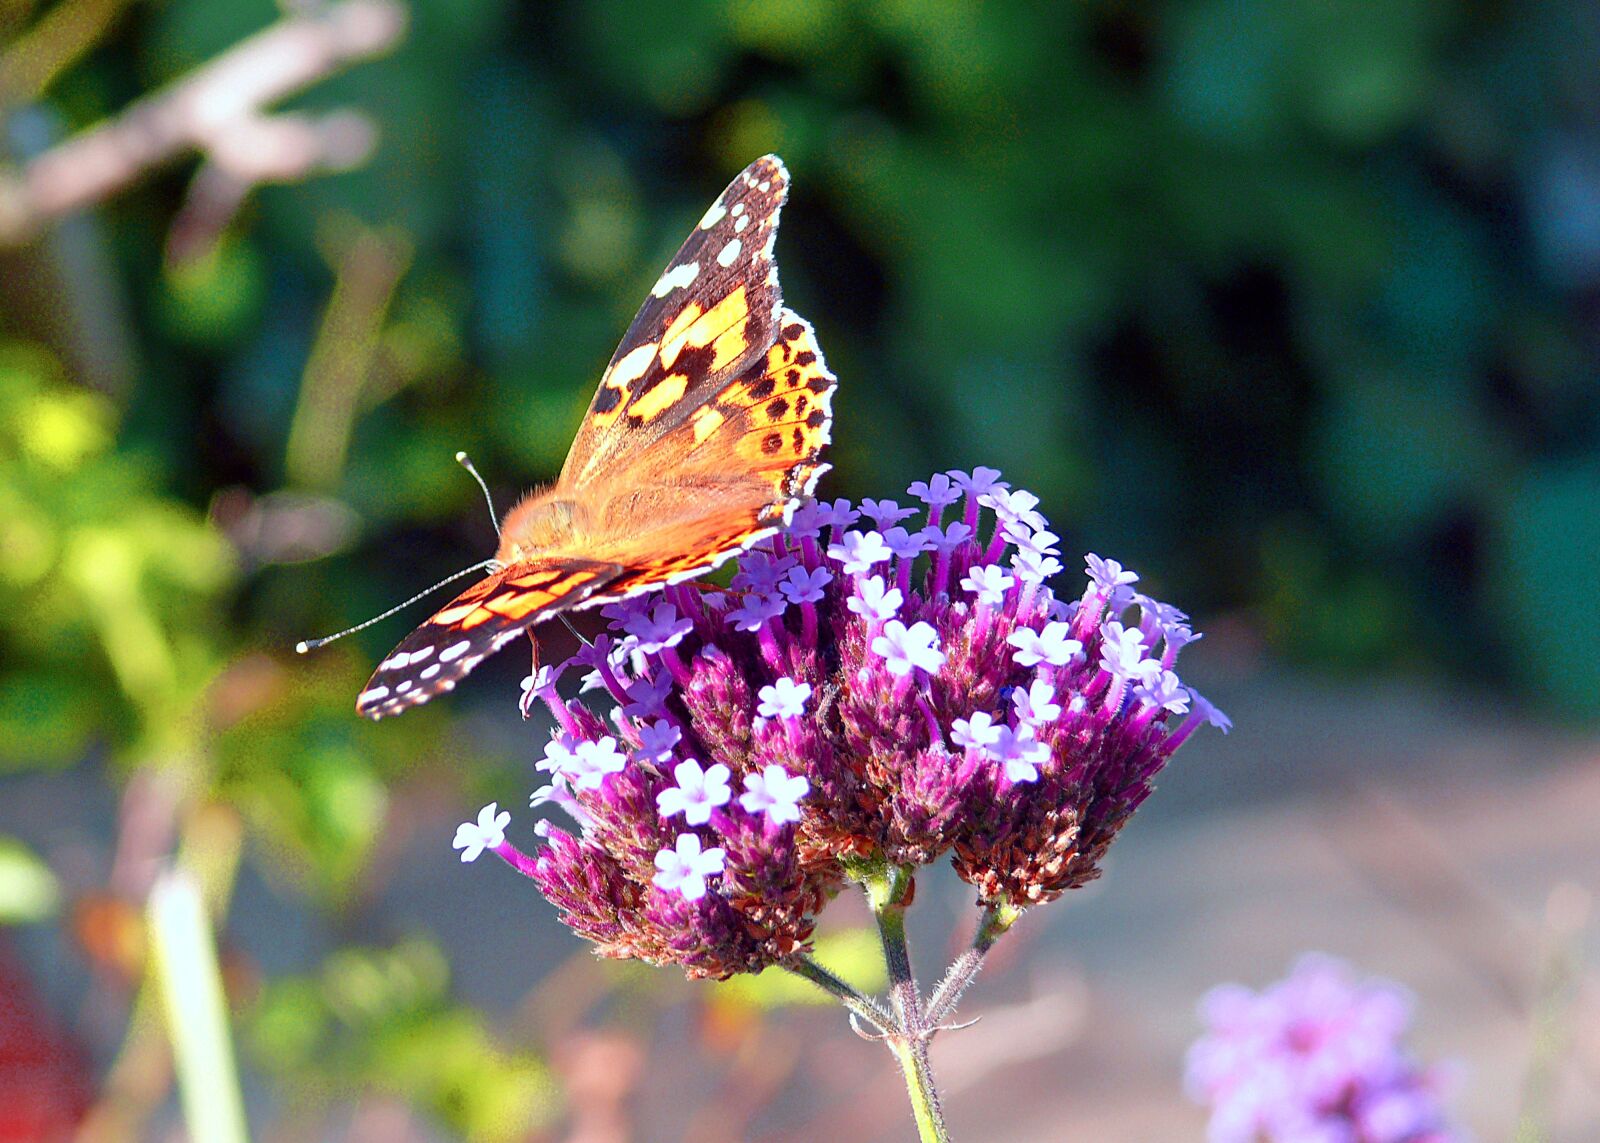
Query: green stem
x=925 y=1109
x=863 y=1006
x=997 y=919
x=888 y=889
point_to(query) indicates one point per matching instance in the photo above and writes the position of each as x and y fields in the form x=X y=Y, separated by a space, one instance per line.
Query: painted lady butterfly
x=704 y=436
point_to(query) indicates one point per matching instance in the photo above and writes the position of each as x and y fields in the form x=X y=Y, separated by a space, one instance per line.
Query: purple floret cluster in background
x=878 y=681
x=1316 y=1058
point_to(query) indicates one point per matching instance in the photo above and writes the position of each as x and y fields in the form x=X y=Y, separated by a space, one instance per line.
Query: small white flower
x=1048 y=646
x=859 y=551
x=592 y=761
x=1162 y=689
x=979 y=730
x=783 y=699
x=656 y=741
x=937 y=491
x=488 y=832
x=697 y=793
x=989 y=584
x=905 y=649
x=1036 y=705
x=1108 y=573
x=875 y=601
x=1020 y=753
x=684 y=868
x=774 y=793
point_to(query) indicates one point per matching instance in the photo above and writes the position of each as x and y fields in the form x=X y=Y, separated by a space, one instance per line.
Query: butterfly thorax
x=541 y=522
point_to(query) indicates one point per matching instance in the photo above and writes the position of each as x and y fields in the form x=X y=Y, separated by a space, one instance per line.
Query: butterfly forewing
x=712 y=312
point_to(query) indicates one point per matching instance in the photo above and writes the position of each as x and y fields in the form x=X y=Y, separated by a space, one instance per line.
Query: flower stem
x=997 y=919
x=889 y=890
x=863 y=1006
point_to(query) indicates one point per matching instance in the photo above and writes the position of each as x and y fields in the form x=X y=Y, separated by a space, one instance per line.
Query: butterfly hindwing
x=475 y=624
x=713 y=312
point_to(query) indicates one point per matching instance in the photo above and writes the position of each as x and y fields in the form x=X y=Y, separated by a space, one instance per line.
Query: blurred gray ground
x=1438 y=841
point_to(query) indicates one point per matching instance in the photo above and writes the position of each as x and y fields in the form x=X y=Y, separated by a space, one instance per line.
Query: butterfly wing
x=727 y=473
x=476 y=623
x=712 y=314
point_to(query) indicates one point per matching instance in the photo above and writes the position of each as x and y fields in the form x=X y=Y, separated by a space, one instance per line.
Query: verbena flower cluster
x=1315 y=1058
x=879 y=680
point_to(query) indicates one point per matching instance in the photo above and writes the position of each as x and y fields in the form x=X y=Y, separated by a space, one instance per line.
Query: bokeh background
x=1295 y=308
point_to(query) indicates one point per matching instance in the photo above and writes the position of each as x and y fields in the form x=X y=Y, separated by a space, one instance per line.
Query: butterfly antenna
x=465 y=462
x=312 y=644
x=575 y=632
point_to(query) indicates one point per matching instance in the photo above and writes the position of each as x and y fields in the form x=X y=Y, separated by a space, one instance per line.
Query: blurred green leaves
x=382 y=1020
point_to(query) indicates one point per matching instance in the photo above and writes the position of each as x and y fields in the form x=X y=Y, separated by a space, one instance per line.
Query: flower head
x=844 y=704
x=1315 y=1056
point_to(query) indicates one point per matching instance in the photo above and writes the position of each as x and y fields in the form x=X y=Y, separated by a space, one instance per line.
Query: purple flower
x=683 y=869
x=885 y=513
x=785 y=698
x=1315 y=1056
x=774 y=793
x=872 y=600
x=697 y=793
x=885 y=714
x=938 y=491
x=803 y=586
x=905 y=649
x=660 y=629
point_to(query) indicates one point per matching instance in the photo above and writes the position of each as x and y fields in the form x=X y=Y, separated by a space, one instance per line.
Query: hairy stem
x=997 y=919
x=863 y=1006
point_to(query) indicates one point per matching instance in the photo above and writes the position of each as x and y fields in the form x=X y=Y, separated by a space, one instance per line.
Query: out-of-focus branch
x=220 y=110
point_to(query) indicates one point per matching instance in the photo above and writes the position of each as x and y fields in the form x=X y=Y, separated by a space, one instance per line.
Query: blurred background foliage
x=1291 y=306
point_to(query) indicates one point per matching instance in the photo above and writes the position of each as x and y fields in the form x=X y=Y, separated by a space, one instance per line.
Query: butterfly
x=704 y=436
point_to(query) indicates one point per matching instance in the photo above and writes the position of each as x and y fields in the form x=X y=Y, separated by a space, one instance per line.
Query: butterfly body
x=704 y=435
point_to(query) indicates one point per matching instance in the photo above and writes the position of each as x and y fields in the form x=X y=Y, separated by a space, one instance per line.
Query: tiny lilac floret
x=684 y=868
x=488 y=832
x=979 y=482
x=905 y=545
x=885 y=513
x=979 y=731
x=1036 y=703
x=783 y=699
x=874 y=601
x=1164 y=690
x=1050 y=645
x=660 y=629
x=647 y=697
x=802 y=586
x=905 y=649
x=592 y=761
x=857 y=552
x=1123 y=653
x=774 y=793
x=1108 y=574
x=937 y=491
x=657 y=740
x=946 y=539
x=839 y=514
x=697 y=793
x=755 y=611
x=1020 y=753
x=989 y=583
x=1034 y=568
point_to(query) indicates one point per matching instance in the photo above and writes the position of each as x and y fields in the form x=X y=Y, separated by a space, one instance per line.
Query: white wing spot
x=729 y=252
x=373 y=695
x=740 y=223
x=421 y=654
x=675 y=278
x=766 y=186
x=429 y=672
x=738 y=209
x=455 y=651
x=403 y=687
x=713 y=216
